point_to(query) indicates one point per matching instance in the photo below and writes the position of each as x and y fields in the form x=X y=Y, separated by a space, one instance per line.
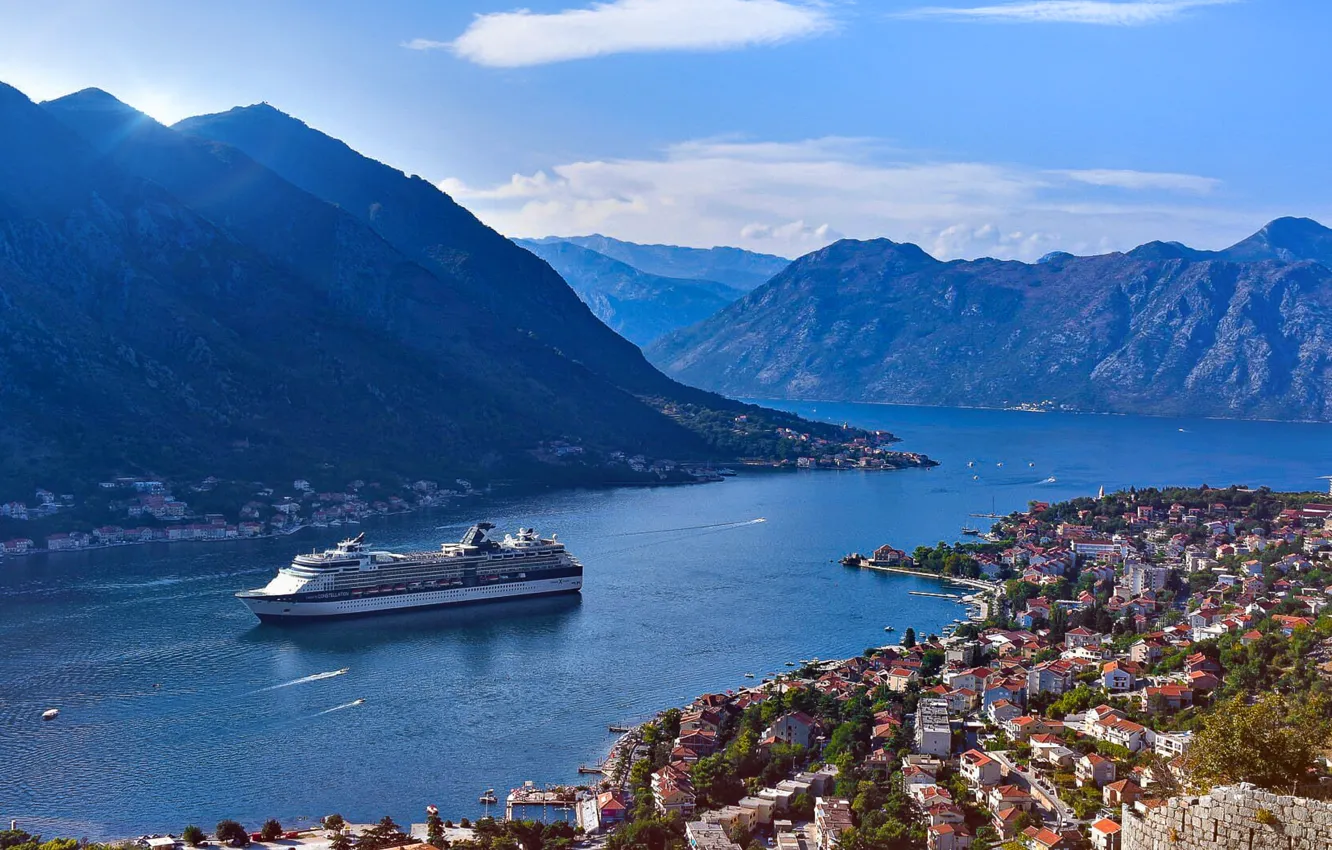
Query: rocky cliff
x=1161 y=329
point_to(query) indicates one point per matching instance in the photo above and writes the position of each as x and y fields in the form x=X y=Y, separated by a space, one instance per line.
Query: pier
x=957 y=596
x=556 y=796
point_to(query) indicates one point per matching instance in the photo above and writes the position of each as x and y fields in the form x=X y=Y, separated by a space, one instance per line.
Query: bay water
x=178 y=707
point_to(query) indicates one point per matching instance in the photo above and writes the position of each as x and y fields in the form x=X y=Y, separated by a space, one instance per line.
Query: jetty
x=935 y=595
x=554 y=796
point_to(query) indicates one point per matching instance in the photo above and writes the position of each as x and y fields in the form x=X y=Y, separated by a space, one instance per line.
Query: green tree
x=1271 y=742
x=340 y=841
x=334 y=823
x=909 y=637
x=434 y=828
x=271 y=830
x=231 y=832
x=192 y=835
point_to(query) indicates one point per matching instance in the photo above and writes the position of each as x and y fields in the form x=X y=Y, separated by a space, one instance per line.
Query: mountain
x=486 y=270
x=1286 y=239
x=734 y=267
x=1162 y=329
x=170 y=305
x=637 y=305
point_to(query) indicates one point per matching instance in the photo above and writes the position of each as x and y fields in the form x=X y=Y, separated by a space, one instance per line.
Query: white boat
x=351 y=579
x=51 y=714
x=749 y=675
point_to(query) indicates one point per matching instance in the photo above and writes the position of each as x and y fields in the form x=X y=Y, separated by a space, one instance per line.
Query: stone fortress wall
x=1237 y=817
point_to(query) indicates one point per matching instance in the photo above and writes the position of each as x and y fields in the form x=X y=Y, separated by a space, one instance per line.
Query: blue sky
x=973 y=127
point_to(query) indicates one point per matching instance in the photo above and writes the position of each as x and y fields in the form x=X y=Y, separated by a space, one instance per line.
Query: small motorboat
x=749 y=675
x=51 y=714
x=890 y=628
x=358 y=701
x=790 y=664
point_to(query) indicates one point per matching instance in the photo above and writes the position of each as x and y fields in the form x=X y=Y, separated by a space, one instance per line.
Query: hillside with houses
x=1124 y=633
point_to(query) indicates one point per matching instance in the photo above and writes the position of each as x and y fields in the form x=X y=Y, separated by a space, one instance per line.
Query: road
x=1057 y=811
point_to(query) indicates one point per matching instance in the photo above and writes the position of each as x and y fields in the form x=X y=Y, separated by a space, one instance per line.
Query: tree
x=231 y=832
x=192 y=835
x=334 y=823
x=386 y=833
x=1271 y=743
x=340 y=841
x=434 y=828
x=271 y=830
x=909 y=637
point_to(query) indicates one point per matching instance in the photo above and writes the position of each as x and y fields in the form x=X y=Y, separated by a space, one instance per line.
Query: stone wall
x=1231 y=818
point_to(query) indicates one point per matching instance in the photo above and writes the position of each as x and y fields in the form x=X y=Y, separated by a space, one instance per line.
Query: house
x=797 y=727
x=1023 y=727
x=707 y=835
x=1145 y=652
x=1001 y=710
x=979 y=769
x=1121 y=792
x=832 y=817
x=947 y=836
x=1041 y=838
x=1082 y=636
x=1002 y=797
x=673 y=791
x=1104 y=835
x=1118 y=676
x=1167 y=698
x=1094 y=770
x=900 y=678
x=1050 y=677
x=1050 y=750
x=602 y=812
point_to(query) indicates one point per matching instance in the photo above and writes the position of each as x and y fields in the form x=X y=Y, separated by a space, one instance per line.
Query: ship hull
x=270 y=610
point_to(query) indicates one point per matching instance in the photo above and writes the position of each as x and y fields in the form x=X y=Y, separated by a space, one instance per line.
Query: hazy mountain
x=734 y=267
x=637 y=305
x=169 y=304
x=1161 y=329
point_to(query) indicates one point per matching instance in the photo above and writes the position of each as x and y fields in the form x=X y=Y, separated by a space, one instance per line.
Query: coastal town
x=1118 y=630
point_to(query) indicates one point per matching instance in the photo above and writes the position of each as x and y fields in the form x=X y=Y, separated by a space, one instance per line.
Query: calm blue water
x=176 y=706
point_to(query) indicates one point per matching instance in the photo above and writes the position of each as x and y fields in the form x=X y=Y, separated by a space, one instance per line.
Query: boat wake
x=315 y=677
x=1050 y=480
x=719 y=525
x=351 y=704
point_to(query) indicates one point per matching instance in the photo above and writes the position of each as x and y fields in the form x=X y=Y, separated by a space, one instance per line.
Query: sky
x=1005 y=128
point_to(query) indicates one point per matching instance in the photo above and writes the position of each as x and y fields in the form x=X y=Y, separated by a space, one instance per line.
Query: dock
x=556 y=796
x=583 y=768
x=935 y=595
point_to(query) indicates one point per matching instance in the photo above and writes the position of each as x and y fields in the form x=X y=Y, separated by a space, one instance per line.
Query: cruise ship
x=351 y=579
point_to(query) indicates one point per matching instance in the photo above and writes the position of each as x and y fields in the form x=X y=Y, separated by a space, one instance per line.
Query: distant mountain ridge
x=1244 y=332
x=638 y=305
x=734 y=267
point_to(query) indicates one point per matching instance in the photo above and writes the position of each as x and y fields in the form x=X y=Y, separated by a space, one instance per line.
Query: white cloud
x=1124 y=179
x=1103 y=12
x=522 y=38
x=793 y=197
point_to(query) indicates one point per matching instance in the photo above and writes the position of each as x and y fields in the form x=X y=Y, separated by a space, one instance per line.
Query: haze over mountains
x=1162 y=329
x=641 y=305
x=244 y=295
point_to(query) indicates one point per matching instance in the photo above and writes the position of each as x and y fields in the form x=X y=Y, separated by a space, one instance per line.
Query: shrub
x=1265 y=817
x=271 y=830
x=231 y=832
